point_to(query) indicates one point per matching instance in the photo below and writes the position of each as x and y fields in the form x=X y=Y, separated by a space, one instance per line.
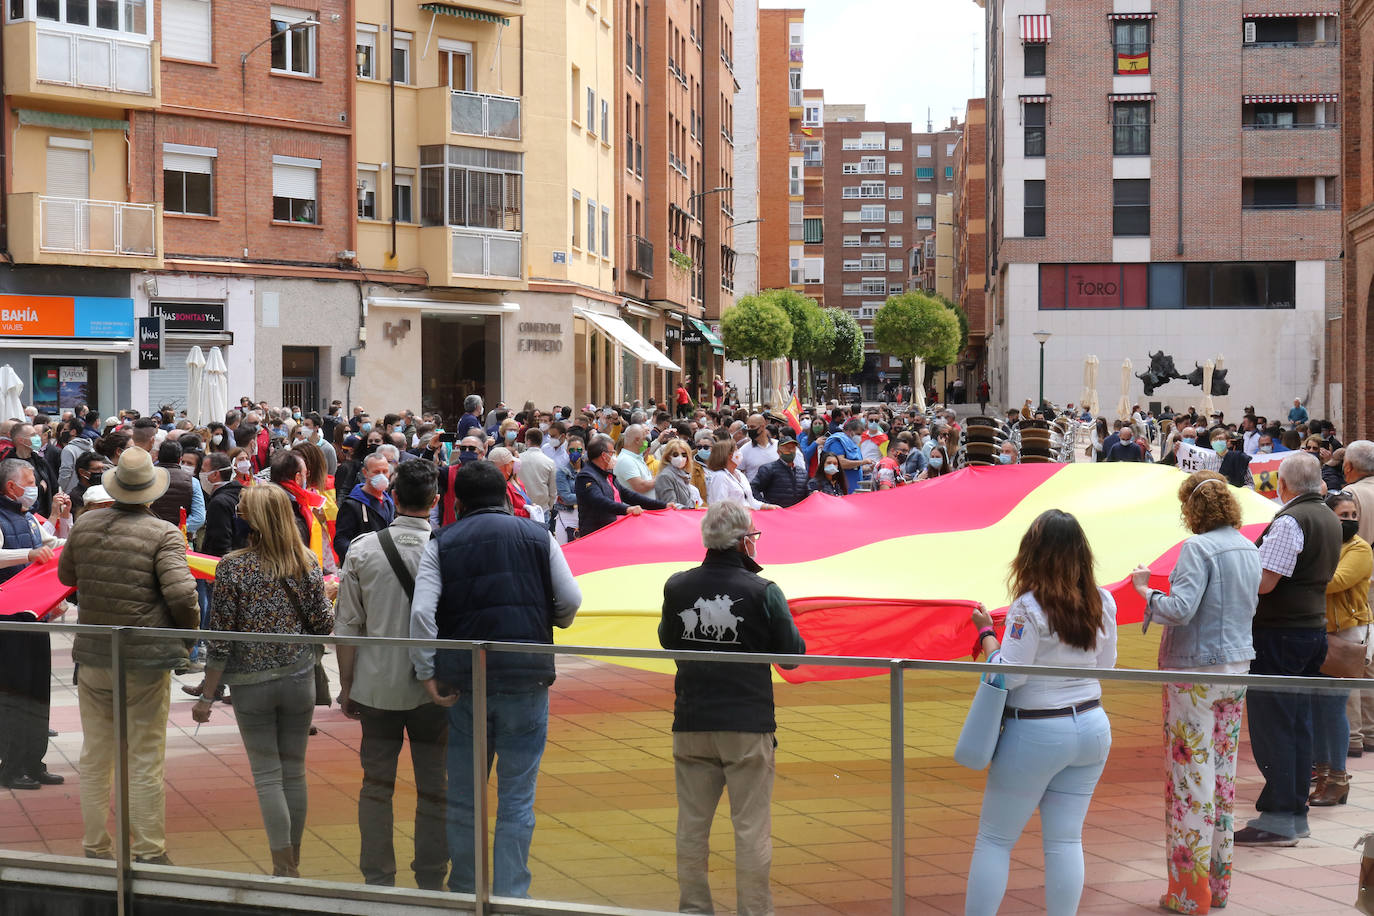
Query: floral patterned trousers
x=1202 y=738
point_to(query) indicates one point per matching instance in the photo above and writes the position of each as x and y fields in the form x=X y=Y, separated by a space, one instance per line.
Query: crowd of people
x=428 y=527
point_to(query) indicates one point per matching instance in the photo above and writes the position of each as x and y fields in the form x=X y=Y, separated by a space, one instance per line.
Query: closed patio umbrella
x=1207 y=407
x=11 y=406
x=215 y=386
x=195 y=376
x=1123 y=406
x=918 y=383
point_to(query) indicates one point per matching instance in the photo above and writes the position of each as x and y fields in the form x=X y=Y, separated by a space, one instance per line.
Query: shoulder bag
x=983 y=725
x=1344 y=657
x=322 y=697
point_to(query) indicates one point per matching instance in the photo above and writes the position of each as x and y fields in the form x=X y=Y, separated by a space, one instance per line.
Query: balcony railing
x=1325 y=125
x=794 y=98
x=486 y=254
x=1333 y=205
x=813 y=162
x=643 y=263
x=484 y=115
x=87 y=60
x=73 y=225
x=728 y=136
x=1325 y=43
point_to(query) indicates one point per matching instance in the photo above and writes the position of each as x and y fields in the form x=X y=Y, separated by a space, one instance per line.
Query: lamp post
x=1041 y=337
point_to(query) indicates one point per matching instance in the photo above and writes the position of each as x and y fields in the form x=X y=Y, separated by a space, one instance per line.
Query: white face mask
x=216 y=439
x=379 y=481
x=243 y=466
x=832 y=468
x=29 y=498
x=679 y=461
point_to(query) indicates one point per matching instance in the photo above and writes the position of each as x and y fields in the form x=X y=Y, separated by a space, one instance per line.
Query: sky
x=898 y=57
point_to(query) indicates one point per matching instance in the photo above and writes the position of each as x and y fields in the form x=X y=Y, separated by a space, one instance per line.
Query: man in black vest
x=492 y=576
x=1298 y=554
x=723 y=720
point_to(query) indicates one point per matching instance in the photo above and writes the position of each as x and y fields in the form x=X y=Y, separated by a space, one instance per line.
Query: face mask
x=610 y=465
x=643 y=447
x=1189 y=440
x=753 y=435
x=817 y=430
x=1219 y=446
x=216 y=439
x=208 y=481
x=189 y=468
x=1266 y=449
x=936 y=462
x=378 y=481
x=1004 y=458
x=316 y=435
x=367 y=427
x=831 y=469
x=510 y=435
x=574 y=454
x=243 y=467
x=679 y=461
x=703 y=454
x=29 y=498
x=1349 y=528
x=874 y=428
x=543 y=427
x=35 y=442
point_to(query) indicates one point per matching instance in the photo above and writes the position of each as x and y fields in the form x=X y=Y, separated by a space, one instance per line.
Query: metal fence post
x=897 y=718
x=481 y=889
x=123 y=895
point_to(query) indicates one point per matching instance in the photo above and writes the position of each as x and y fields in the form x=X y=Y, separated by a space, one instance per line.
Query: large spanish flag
x=894 y=573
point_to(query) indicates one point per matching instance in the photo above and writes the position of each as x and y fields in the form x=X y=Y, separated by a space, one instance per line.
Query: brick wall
x=774 y=131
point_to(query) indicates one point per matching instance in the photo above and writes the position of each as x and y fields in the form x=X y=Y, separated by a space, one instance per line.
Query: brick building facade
x=970 y=234
x=1349 y=349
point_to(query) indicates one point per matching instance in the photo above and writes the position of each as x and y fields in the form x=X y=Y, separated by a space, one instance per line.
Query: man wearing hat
x=130 y=568
x=782 y=482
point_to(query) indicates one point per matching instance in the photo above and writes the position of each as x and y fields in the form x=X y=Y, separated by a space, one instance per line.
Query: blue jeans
x=1053 y=765
x=1330 y=729
x=1281 y=726
x=517 y=725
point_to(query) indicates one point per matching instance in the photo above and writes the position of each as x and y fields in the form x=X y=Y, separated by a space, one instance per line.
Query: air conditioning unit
x=1250 y=32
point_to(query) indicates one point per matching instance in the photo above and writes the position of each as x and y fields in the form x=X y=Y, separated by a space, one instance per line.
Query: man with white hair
x=368 y=507
x=1359 y=483
x=631 y=470
x=1298 y=555
x=723 y=718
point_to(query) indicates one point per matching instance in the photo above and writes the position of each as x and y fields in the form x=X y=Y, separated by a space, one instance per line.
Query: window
x=1034 y=121
x=894 y=289
x=813 y=231
x=894 y=241
x=400 y=58
x=591 y=227
x=811 y=117
x=455 y=64
x=576 y=94
x=1033 y=220
x=1131 y=129
x=949 y=172
x=605 y=232
x=113 y=15
x=895 y=144
x=949 y=149
x=295 y=189
x=925 y=174
x=476 y=188
x=188 y=179
x=186 y=29
x=605 y=121
x=293 y=49
x=853 y=264
x=1272 y=194
x=576 y=219
x=1035 y=60
x=1131 y=206
x=851 y=241
x=1198 y=285
x=591 y=109
x=1131 y=42
x=366 y=50
x=1275 y=116
x=367 y=192
x=894 y=192
x=896 y=216
x=923 y=199
x=872 y=262
x=923 y=151
x=925 y=222
x=894 y=168
x=403 y=196
x=872 y=213
x=894 y=264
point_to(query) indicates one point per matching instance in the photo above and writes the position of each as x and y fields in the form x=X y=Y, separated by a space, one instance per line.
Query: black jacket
x=597 y=505
x=219 y=530
x=359 y=514
x=1235 y=467
x=781 y=482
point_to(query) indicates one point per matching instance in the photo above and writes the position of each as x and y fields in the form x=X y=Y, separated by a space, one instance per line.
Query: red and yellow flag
x=792 y=412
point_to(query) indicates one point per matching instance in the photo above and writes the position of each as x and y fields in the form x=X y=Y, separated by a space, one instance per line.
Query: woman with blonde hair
x=673 y=483
x=1213 y=591
x=274 y=585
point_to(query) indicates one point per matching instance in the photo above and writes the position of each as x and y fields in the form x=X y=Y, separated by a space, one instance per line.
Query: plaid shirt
x=1283 y=543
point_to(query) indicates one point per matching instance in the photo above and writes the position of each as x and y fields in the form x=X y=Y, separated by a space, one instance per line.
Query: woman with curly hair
x=1212 y=595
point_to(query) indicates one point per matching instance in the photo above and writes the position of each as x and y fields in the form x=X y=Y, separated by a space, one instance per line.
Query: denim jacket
x=1213 y=592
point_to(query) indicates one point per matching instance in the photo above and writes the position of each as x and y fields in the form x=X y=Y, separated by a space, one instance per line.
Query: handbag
x=983 y=724
x=322 y=697
x=1344 y=658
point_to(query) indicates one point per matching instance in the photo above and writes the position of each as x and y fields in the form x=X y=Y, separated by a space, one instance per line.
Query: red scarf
x=305 y=500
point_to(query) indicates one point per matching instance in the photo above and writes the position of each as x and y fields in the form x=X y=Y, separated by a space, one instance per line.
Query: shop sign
x=691 y=337
x=540 y=337
x=180 y=316
x=560 y=257
x=150 y=339
x=66 y=316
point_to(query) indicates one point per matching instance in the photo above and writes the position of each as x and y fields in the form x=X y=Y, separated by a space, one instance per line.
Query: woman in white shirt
x=1055 y=735
x=725 y=482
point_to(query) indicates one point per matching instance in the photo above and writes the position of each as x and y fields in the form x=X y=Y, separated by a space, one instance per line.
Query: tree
x=755 y=328
x=960 y=314
x=846 y=353
x=812 y=333
x=915 y=325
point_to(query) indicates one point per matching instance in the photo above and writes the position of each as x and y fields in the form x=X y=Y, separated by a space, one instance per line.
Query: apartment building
x=932 y=168
x=1132 y=210
x=780 y=60
x=1349 y=376
x=970 y=234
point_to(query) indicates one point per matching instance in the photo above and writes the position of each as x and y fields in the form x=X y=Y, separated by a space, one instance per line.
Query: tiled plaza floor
x=607 y=811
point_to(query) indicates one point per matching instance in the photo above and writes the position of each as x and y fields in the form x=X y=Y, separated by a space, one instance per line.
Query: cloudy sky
x=899 y=57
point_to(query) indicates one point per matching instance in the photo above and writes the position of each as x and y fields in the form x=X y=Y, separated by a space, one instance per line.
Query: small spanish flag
x=808 y=131
x=793 y=414
x=1133 y=63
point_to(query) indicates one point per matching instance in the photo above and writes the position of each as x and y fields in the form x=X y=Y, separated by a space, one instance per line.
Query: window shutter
x=186 y=29
x=293 y=181
x=182 y=162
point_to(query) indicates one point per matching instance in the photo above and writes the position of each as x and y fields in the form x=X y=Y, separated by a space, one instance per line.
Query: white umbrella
x=1207 y=408
x=11 y=406
x=918 y=383
x=215 y=387
x=1096 y=406
x=1089 y=384
x=195 y=374
x=1123 y=406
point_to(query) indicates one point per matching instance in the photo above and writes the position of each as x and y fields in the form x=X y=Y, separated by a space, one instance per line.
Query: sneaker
x=153 y=860
x=1254 y=836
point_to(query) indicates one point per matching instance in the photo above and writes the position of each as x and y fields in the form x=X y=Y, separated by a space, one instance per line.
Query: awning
x=709 y=334
x=617 y=330
x=462 y=12
x=1281 y=99
x=1321 y=14
x=1132 y=15
x=1035 y=29
x=1131 y=96
x=63 y=121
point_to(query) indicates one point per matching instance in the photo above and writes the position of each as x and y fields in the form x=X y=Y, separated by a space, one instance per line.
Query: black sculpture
x=1220 y=386
x=1162 y=371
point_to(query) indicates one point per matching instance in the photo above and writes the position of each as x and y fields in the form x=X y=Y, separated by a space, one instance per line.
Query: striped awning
x=1131 y=96
x=1280 y=99
x=1034 y=98
x=1310 y=14
x=1132 y=15
x=1035 y=29
x=462 y=12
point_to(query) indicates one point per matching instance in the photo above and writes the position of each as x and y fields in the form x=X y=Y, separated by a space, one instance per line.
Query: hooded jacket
x=358 y=514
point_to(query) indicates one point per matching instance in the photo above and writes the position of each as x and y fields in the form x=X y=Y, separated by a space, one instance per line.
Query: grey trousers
x=274 y=721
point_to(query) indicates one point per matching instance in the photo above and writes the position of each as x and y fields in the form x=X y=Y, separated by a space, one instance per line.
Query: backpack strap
x=398 y=566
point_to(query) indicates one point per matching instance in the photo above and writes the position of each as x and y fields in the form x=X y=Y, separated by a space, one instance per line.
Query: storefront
x=618 y=360
x=69 y=350
x=703 y=354
x=186 y=324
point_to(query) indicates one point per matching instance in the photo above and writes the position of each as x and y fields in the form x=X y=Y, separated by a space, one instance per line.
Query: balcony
x=794 y=99
x=1270 y=70
x=1300 y=150
x=454 y=256
x=642 y=253
x=794 y=54
x=446 y=115
x=90 y=233
x=49 y=62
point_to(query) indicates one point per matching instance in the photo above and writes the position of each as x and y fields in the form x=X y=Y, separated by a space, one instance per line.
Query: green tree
x=960 y=314
x=846 y=353
x=755 y=328
x=812 y=333
x=914 y=324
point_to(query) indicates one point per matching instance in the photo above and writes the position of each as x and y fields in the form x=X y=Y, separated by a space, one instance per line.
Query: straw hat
x=135 y=480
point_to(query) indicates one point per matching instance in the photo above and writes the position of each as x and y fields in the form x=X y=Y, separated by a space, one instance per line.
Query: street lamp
x=303 y=24
x=744 y=222
x=1041 y=337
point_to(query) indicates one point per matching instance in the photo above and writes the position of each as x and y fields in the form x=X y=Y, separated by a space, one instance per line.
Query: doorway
x=459 y=355
x=300 y=377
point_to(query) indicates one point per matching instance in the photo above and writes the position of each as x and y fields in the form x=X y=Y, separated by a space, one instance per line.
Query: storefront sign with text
x=543 y=337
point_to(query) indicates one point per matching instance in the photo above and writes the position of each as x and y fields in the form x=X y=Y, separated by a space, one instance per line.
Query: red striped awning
x=1132 y=15
x=1034 y=98
x=1035 y=29
x=1319 y=14
x=1131 y=96
x=1279 y=99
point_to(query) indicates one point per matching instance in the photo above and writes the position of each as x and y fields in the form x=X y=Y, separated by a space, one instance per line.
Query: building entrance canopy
x=620 y=332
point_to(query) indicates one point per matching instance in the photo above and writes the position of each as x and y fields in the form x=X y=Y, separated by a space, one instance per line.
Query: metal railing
x=76 y=225
x=481 y=114
x=643 y=263
x=1324 y=43
x=1324 y=125
x=88 y=60
x=1291 y=206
